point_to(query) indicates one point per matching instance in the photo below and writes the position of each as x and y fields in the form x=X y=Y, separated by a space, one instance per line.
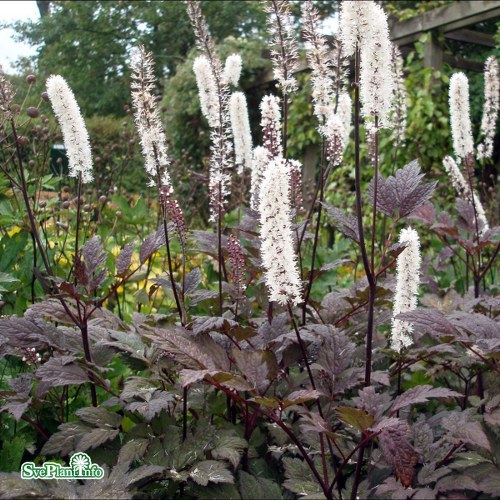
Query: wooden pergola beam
x=446 y=19
x=471 y=36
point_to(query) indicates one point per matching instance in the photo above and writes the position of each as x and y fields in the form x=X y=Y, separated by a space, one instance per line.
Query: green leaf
x=12 y=454
x=358 y=419
x=210 y=471
x=230 y=447
x=299 y=478
x=257 y=488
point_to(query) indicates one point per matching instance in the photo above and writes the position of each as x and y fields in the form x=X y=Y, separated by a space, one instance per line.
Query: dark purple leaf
x=208 y=242
x=93 y=254
x=124 y=260
x=402 y=194
x=397 y=451
x=149 y=409
x=462 y=430
x=346 y=224
x=478 y=325
x=429 y=321
x=58 y=371
x=195 y=353
x=201 y=295
x=64 y=441
x=99 y=417
x=96 y=437
x=457 y=483
x=421 y=394
x=255 y=367
x=425 y=213
x=151 y=244
x=207 y=324
x=193 y=279
x=466 y=219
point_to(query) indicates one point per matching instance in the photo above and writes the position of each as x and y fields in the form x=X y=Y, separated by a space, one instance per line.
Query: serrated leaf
x=298 y=397
x=462 y=430
x=299 y=478
x=215 y=491
x=207 y=324
x=421 y=394
x=138 y=387
x=257 y=488
x=354 y=417
x=399 y=195
x=429 y=321
x=192 y=352
x=96 y=437
x=397 y=451
x=346 y=224
x=149 y=409
x=124 y=259
x=200 y=295
x=228 y=446
x=99 y=417
x=210 y=471
x=142 y=472
x=93 y=254
x=151 y=244
x=64 y=441
x=132 y=450
x=254 y=368
x=460 y=483
x=192 y=280
x=61 y=370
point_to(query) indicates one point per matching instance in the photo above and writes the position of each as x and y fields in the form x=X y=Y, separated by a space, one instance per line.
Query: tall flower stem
x=219 y=248
x=316 y=232
x=78 y=214
x=180 y=309
x=313 y=385
x=366 y=263
x=88 y=357
x=24 y=192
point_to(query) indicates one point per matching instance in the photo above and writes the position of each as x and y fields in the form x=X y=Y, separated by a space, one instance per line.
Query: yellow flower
x=62 y=261
x=115 y=250
x=13 y=231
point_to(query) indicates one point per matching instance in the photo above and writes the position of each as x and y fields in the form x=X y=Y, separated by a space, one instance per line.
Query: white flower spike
x=75 y=135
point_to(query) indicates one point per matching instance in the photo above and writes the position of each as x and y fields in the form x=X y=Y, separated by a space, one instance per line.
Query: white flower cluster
x=363 y=26
x=214 y=98
x=285 y=55
x=277 y=248
x=344 y=110
x=319 y=59
x=271 y=124
x=407 y=283
x=355 y=24
x=207 y=90
x=75 y=135
x=463 y=190
x=260 y=160
x=400 y=96
x=334 y=132
x=147 y=119
x=490 y=108
x=376 y=77
x=240 y=124
x=232 y=70
x=461 y=128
